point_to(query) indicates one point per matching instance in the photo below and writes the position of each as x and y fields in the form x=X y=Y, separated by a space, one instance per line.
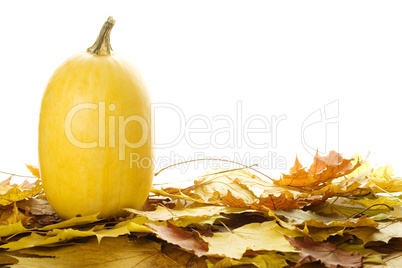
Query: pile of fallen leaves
x=338 y=213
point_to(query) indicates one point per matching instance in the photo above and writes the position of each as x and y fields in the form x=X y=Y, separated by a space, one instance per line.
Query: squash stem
x=102 y=46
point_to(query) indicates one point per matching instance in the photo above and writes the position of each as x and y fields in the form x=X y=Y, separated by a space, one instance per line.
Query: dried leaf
x=369 y=255
x=299 y=217
x=187 y=240
x=12 y=215
x=233 y=244
x=211 y=188
x=389 y=201
x=263 y=260
x=384 y=233
x=111 y=252
x=10 y=193
x=36 y=206
x=76 y=221
x=34 y=170
x=12 y=229
x=327 y=253
x=263 y=203
x=322 y=170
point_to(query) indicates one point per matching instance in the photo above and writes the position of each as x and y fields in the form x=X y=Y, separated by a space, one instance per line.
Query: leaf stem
x=364 y=210
x=16 y=175
x=212 y=159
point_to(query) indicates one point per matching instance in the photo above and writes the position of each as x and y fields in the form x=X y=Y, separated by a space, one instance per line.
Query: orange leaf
x=231 y=201
x=275 y=202
x=34 y=170
x=323 y=169
x=270 y=202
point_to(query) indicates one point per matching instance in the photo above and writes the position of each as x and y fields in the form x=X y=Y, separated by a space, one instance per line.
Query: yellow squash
x=95 y=150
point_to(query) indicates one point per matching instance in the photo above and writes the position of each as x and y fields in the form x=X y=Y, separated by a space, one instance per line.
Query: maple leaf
x=385 y=232
x=266 y=260
x=322 y=170
x=111 y=252
x=275 y=202
x=177 y=195
x=13 y=215
x=11 y=229
x=383 y=180
x=164 y=214
x=370 y=256
x=197 y=216
x=345 y=187
x=299 y=217
x=389 y=201
x=327 y=253
x=211 y=188
x=36 y=206
x=187 y=240
x=76 y=221
x=34 y=170
x=254 y=236
x=263 y=203
x=10 y=193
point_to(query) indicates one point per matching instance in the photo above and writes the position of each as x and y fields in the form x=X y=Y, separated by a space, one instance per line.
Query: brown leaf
x=187 y=240
x=36 y=206
x=327 y=253
x=322 y=170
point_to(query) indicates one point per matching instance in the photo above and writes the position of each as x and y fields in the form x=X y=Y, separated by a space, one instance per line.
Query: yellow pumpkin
x=95 y=152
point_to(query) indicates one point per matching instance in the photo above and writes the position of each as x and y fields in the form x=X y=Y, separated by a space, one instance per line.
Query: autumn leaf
x=12 y=215
x=235 y=243
x=76 y=221
x=36 y=206
x=275 y=202
x=12 y=229
x=178 y=195
x=388 y=201
x=267 y=260
x=211 y=188
x=322 y=170
x=10 y=193
x=163 y=214
x=111 y=252
x=383 y=180
x=370 y=256
x=187 y=240
x=384 y=233
x=327 y=253
x=299 y=217
x=263 y=203
x=34 y=170
x=322 y=234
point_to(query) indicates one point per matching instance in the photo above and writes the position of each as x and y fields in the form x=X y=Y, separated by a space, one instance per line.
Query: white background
x=282 y=58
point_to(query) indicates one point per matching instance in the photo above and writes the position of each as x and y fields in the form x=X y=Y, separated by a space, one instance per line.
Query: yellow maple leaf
x=10 y=193
x=233 y=244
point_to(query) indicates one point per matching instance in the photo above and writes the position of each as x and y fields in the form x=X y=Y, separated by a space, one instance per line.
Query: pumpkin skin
x=95 y=151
